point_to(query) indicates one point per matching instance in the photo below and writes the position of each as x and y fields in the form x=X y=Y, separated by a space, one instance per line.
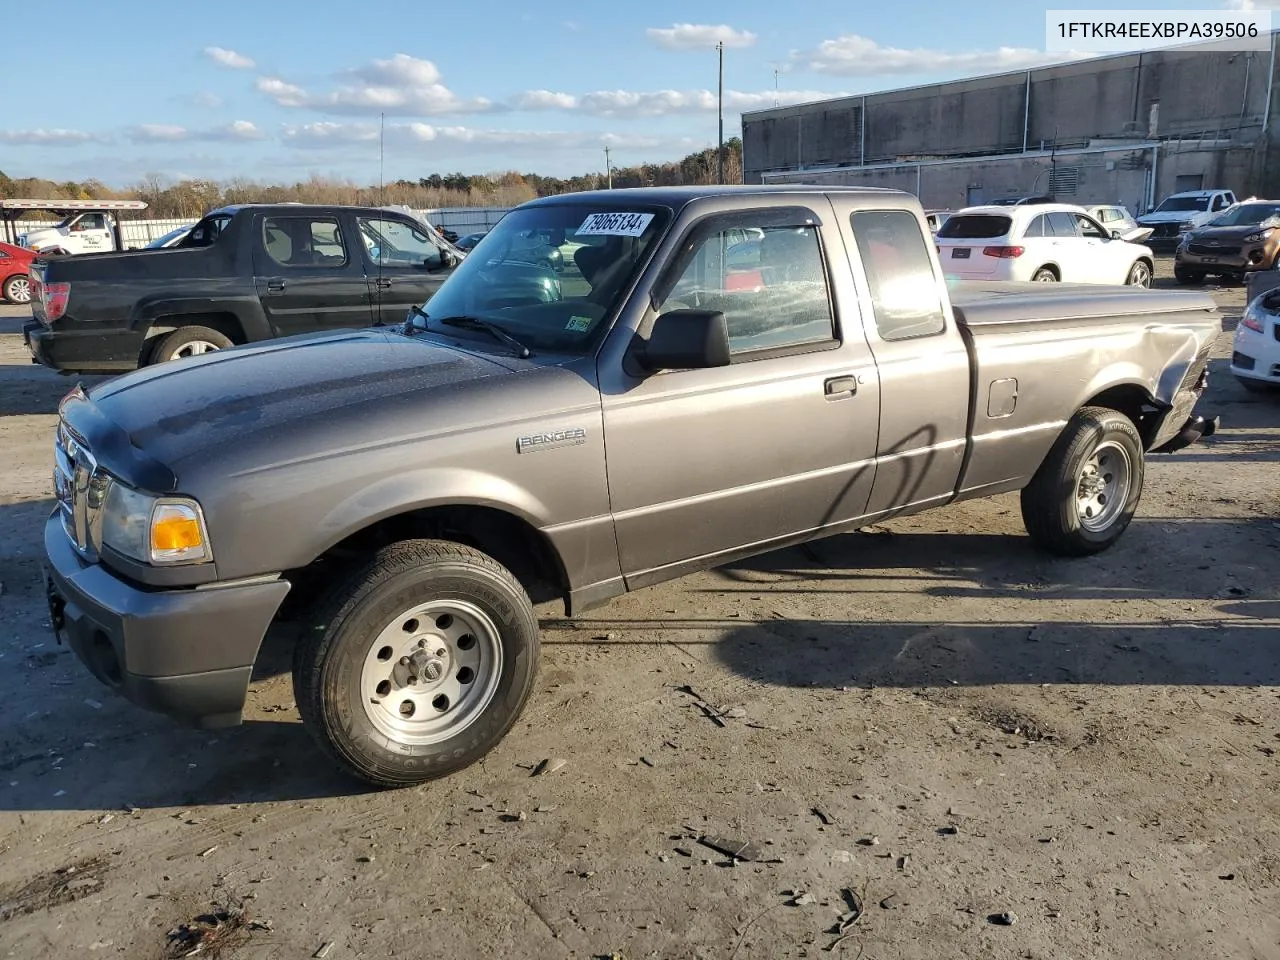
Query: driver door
x=405 y=266
x=1099 y=259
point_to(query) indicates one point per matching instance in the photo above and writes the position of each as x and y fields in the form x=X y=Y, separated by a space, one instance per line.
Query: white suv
x=1044 y=242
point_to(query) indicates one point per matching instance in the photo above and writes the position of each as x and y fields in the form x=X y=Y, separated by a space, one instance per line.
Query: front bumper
x=111 y=351
x=1235 y=259
x=185 y=653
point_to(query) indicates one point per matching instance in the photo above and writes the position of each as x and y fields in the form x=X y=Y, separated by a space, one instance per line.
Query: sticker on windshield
x=614 y=224
x=578 y=324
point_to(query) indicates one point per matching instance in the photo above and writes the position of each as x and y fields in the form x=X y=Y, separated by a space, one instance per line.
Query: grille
x=1164 y=230
x=80 y=487
x=1213 y=250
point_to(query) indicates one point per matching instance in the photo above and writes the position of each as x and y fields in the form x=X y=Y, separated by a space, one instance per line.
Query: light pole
x=775 y=88
x=608 y=168
x=720 y=149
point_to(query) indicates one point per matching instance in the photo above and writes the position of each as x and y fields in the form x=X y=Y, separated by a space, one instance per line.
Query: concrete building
x=1129 y=128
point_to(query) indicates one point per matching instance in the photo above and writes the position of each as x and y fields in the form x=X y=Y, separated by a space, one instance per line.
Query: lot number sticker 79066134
x=614 y=224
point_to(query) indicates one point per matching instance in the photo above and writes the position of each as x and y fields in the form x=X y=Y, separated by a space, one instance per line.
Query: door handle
x=838 y=386
x=383 y=283
x=275 y=286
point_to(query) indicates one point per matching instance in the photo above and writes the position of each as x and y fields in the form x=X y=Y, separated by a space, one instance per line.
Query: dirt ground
x=930 y=719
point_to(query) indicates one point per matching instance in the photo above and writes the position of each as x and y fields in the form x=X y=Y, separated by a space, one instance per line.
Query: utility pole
x=608 y=168
x=775 y=87
x=720 y=150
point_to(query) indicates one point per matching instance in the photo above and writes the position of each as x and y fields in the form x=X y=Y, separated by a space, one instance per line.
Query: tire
x=1187 y=277
x=17 y=289
x=188 y=342
x=1139 y=275
x=1044 y=275
x=1099 y=446
x=352 y=683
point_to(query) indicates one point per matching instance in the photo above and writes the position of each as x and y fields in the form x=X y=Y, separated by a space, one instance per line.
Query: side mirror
x=686 y=340
x=1116 y=235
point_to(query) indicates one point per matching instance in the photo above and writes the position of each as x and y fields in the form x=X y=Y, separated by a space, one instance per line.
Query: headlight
x=155 y=530
x=1256 y=237
x=1252 y=319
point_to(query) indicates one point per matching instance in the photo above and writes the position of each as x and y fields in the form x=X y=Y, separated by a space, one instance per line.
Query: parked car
x=936 y=218
x=414 y=490
x=1114 y=217
x=467 y=244
x=1040 y=242
x=1182 y=211
x=243 y=273
x=170 y=239
x=1255 y=354
x=1244 y=239
x=15 y=269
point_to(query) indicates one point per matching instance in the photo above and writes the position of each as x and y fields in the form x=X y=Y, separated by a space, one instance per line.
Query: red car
x=15 y=268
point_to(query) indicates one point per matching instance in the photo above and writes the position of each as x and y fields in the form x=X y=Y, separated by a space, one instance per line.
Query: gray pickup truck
x=716 y=372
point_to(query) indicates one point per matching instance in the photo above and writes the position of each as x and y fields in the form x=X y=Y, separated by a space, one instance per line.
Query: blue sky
x=280 y=90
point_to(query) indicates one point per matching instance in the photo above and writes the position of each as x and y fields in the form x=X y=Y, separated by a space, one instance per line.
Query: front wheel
x=419 y=665
x=1085 y=493
x=1139 y=275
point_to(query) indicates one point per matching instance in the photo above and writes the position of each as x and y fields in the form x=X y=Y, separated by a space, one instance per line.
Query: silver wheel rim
x=195 y=348
x=1043 y=276
x=431 y=672
x=1139 y=276
x=1103 y=486
x=20 y=290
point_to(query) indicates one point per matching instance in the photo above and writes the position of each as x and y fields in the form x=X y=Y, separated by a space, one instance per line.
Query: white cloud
x=855 y=56
x=41 y=137
x=228 y=58
x=629 y=103
x=237 y=131
x=400 y=86
x=210 y=101
x=693 y=36
x=1250 y=5
x=336 y=134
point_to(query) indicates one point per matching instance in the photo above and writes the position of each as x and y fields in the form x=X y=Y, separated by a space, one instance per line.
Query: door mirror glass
x=686 y=340
x=1116 y=235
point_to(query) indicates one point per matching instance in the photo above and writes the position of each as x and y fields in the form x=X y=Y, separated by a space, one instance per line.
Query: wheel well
x=228 y=324
x=512 y=541
x=1136 y=404
x=1052 y=268
x=1149 y=262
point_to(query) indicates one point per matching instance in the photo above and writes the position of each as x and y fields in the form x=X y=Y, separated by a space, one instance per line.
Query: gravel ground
x=929 y=718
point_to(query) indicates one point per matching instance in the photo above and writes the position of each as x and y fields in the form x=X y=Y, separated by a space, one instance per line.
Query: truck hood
x=207 y=406
x=34 y=238
x=1173 y=216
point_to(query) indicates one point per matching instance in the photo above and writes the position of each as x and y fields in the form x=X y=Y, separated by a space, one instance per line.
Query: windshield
x=549 y=275
x=975 y=226
x=171 y=235
x=1183 y=203
x=1247 y=214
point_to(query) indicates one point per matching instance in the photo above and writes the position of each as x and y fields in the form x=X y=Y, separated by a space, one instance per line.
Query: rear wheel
x=1139 y=274
x=188 y=342
x=18 y=289
x=1085 y=493
x=1045 y=275
x=419 y=665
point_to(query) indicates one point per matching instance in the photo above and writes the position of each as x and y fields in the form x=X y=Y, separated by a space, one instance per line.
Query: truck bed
x=1039 y=349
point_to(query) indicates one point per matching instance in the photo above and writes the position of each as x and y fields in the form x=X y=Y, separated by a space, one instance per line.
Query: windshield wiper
x=475 y=323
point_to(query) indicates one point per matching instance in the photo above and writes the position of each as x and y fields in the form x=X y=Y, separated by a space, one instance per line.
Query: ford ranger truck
x=410 y=492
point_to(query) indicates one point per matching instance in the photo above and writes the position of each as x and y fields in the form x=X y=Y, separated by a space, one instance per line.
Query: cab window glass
x=905 y=294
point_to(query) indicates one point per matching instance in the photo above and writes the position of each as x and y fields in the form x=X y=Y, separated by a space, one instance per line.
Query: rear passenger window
x=904 y=290
x=1062 y=225
x=1037 y=228
x=768 y=281
x=303 y=241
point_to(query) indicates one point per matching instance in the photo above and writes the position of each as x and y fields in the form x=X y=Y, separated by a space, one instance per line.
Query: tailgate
x=964 y=258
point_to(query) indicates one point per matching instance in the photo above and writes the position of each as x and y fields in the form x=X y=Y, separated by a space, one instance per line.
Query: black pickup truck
x=244 y=273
